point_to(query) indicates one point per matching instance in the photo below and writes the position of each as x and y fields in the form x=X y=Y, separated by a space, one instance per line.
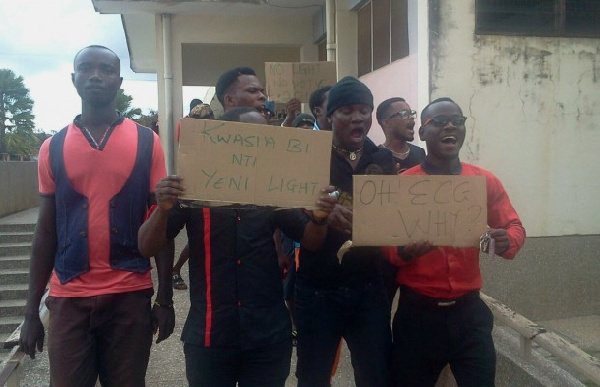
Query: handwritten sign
x=232 y=162
x=395 y=210
x=287 y=80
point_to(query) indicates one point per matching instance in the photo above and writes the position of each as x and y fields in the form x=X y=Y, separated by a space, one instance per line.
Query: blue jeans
x=225 y=367
x=361 y=316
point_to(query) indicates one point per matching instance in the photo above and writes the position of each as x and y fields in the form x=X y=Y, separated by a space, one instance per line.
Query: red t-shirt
x=99 y=175
x=450 y=272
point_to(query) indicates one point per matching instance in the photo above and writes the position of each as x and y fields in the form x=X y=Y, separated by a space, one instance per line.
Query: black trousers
x=106 y=337
x=427 y=336
x=230 y=367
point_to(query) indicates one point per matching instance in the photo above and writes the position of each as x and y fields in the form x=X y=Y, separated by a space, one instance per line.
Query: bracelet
x=167 y=306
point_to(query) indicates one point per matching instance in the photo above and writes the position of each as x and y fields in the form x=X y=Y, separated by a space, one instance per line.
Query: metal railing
x=530 y=332
x=10 y=374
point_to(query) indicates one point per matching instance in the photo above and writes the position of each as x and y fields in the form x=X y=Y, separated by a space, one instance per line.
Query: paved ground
x=167 y=366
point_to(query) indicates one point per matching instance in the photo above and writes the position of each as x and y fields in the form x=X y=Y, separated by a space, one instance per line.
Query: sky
x=38 y=40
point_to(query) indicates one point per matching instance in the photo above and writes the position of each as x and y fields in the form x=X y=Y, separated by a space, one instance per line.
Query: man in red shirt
x=96 y=182
x=440 y=318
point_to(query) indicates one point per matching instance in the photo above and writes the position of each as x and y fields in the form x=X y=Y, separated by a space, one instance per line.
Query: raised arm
x=152 y=235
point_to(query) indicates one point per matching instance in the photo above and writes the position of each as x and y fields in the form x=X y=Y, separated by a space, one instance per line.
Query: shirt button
x=112 y=204
x=85 y=206
x=114 y=230
x=83 y=234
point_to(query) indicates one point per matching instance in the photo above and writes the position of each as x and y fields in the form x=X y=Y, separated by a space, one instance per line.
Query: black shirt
x=415 y=156
x=235 y=281
x=361 y=265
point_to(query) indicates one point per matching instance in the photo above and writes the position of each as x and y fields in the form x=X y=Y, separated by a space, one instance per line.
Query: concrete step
x=17 y=227
x=18 y=248
x=14 y=262
x=14 y=276
x=4 y=350
x=12 y=308
x=15 y=236
x=13 y=291
x=8 y=324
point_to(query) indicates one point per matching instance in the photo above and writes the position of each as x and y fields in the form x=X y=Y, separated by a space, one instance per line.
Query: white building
x=526 y=73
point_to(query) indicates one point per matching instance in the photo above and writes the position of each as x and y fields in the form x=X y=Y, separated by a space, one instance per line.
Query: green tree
x=16 y=118
x=123 y=104
x=148 y=120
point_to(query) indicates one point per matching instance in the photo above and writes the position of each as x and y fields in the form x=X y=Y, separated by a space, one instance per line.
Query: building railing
x=10 y=374
x=530 y=332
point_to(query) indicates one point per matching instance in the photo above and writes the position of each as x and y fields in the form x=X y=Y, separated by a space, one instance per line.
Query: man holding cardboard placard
x=440 y=318
x=346 y=299
x=238 y=329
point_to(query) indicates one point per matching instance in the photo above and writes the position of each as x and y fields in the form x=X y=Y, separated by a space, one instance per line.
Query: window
x=382 y=34
x=577 y=18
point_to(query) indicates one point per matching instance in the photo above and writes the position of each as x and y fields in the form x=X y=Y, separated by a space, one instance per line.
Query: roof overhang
x=139 y=20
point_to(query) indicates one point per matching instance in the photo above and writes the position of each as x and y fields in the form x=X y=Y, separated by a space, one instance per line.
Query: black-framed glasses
x=404 y=114
x=443 y=120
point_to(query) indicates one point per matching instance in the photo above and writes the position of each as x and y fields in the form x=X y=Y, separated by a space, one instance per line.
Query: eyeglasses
x=441 y=121
x=404 y=114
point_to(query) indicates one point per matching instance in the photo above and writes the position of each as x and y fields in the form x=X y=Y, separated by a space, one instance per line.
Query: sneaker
x=178 y=282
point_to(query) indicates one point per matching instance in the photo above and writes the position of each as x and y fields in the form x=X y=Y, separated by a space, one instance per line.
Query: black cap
x=303 y=117
x=348 y=91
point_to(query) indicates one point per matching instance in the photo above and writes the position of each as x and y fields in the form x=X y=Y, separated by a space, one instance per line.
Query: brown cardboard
x=287 y=80
x=395 y=210
x=232 y=162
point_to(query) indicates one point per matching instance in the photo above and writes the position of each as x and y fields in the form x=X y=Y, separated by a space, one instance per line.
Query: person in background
x=292 y=109
x=238 y=328
x=440 y=317
x=397 y=120
x=195 y=103
x=317 y=104
x=304 y=121
x=96 y=183
x=240 y=87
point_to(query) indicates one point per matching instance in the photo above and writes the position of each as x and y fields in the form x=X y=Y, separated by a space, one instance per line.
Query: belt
x=418 y=299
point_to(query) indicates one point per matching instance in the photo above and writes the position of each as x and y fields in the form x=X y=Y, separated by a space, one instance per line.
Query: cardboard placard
x=397 y=210
x=287 y=80
x=232 y=162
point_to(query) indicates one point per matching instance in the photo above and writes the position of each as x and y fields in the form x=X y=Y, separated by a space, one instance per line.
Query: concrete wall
x=531 y=104
x=18 y=186
x=551 y=278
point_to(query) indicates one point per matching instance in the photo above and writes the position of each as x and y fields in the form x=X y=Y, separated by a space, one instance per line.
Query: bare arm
x=152 y=235
x=163 y=313
x=40 y=268
x=292 y=108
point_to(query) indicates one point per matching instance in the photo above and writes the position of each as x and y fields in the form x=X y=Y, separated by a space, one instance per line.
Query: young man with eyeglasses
x=440 y=317
x=397 y=120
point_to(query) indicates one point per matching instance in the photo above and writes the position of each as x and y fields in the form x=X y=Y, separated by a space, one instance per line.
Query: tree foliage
x=123 y=104
x=16 y=118
x=149 y=120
